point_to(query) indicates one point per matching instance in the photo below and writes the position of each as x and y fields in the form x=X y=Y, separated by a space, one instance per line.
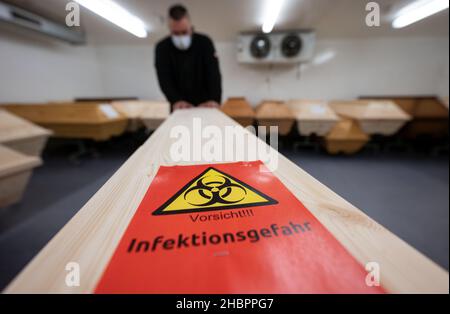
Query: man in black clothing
x=187 y=65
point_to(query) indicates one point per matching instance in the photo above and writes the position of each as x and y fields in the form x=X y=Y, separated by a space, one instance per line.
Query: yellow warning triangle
x=213 y=190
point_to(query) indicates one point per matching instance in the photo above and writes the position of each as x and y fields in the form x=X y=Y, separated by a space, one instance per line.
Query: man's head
x=179 y=21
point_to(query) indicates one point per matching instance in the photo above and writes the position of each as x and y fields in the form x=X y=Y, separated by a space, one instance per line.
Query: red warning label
x=228 y=228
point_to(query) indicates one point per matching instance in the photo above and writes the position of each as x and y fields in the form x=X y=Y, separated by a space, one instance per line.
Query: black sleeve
x=213 y=76
x=165 y=80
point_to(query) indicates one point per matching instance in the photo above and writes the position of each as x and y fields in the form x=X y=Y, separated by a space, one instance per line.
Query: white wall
x=386 y=66
x=360 y=67
x=407 y=66
x=37 y=70
x=128 y=71
x=443 y=84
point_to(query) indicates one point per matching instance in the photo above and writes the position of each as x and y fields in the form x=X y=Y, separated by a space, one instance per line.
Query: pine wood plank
x=92 y=235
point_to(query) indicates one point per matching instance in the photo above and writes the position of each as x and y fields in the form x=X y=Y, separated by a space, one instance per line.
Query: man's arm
x=164 y=78
x=213 y=76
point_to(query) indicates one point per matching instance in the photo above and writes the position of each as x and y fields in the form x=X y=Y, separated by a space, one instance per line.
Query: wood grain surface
x=92 y=235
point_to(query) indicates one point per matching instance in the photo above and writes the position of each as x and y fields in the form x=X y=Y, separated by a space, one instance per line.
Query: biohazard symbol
x=213 y=190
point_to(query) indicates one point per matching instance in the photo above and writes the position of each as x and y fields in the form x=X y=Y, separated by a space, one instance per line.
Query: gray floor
x=407 y=193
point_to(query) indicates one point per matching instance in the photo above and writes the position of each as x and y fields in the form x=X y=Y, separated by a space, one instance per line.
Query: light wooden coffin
x=132 y=110
x=374 y=116
x=239 y=110
x=22 y=135
x=313 y=116
x=154 y=114
x=430 y=119
x=429 y=115
x=445 y=102
x=431 y=108
x=138 y=110
x=275 y=113
x=96 y=121
x=15 y=172
x=346 y=137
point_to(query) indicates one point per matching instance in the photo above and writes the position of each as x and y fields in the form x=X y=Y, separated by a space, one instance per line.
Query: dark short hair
x=177 y=12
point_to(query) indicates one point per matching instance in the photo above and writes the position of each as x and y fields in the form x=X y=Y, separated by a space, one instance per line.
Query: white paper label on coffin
x=109 y=111
x=318 y=109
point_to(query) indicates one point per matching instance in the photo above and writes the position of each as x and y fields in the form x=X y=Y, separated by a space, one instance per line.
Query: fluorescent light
x=273 y=8
x=114 y=13
x=417 y=11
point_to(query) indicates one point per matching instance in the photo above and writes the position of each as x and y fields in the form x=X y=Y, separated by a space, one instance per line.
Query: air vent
x=260 y=47
x=28 y=20
x=291 y=46
x=288 y=47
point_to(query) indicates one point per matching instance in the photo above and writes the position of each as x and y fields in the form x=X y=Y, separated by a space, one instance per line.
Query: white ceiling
x=223 y=19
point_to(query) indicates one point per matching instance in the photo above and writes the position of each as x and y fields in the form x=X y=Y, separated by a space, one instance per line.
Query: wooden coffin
x=429 y=115
x=136 y=111
x=445 y=102
x=240 y=110
x=132 y=110
x=154 y=114
x=15 y=171
x=96 y=121
x=275 y=113
x=22 y=135
x=346 y=137
x=382 y=117
x=313 y=116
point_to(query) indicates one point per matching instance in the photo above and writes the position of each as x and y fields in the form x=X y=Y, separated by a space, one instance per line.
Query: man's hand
x=210 y=104
x=181 y=105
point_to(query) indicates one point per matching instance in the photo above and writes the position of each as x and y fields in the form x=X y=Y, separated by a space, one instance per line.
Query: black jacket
x=192 y=75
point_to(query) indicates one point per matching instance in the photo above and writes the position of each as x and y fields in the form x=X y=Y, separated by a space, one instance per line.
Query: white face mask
x=182 y=42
